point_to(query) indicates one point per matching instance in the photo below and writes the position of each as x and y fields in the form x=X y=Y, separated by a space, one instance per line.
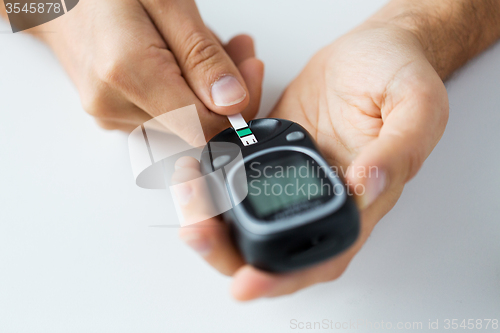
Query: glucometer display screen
x=284 y=184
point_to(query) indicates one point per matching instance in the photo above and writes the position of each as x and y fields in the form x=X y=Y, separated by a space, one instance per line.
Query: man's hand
x=132 y=60
x=372 y=101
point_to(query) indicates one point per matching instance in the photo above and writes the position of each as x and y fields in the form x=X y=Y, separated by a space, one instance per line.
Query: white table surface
x=77 y=253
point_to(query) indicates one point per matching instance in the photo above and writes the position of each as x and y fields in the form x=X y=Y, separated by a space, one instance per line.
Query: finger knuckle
x=163 y=59
x=91 y=106
x=107 y=125
x=113 y=71
x=201 y=52
x=94 y=104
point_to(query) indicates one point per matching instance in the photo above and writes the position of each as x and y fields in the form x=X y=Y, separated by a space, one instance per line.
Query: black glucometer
x=288 y=208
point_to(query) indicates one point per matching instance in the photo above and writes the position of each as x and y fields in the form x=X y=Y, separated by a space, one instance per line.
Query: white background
x=77 y=253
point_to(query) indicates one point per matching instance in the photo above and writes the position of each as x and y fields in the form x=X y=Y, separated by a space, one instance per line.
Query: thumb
x=204 y=63
x=385 y=163
x=212 y=74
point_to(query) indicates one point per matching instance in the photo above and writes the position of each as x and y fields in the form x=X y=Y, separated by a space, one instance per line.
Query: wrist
x=450 y=32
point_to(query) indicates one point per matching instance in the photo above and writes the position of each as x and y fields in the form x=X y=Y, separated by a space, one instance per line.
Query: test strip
x=241 y=127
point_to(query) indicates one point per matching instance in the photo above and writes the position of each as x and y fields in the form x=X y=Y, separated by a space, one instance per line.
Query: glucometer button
x=220 y=161
x=295 y=136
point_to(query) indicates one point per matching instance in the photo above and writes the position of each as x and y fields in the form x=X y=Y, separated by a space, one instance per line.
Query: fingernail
x=227 y=91
x=183 y=193
x=201 y=245
x=374 y=185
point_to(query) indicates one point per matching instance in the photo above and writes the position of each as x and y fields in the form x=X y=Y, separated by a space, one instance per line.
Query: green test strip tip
x=244 y=132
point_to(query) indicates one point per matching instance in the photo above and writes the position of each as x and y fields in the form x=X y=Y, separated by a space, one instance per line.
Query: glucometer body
x=289 y=208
